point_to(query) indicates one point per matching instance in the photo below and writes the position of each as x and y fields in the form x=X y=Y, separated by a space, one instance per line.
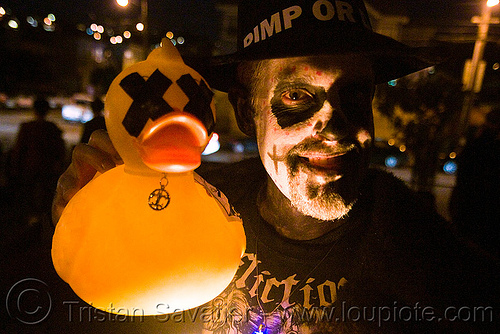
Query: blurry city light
x=47 y=21
x=391 y=161
x=127 y=34
x=239 y=148
x=51 y=17
x=93 y=26
x=174 y=42
x=123 y=3
x=49 y=27
x=393 y=83
x=13 y=24
x=97 y=36
x=402 y=148
x=100 y=29
x=10 y=103
x=492 y=3
x=170 y=35
x=450 y=167
x=98 y=54
x=2 y=11
x=128 y=54
x=391 y=142
x=139 y=26
x=119 y=39
x=453 y=155
x=112 y=40
x=89 y=31
x=496 y=66
x=31 y=21
x=180 y=40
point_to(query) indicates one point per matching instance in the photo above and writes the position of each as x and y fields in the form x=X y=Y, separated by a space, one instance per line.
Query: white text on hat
x=289 y=14
x=323 y=10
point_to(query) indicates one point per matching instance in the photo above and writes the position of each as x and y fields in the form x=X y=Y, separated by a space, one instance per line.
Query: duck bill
x=173 y=143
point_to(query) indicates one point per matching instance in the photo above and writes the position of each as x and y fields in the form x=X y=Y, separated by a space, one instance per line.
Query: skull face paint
x=314 y=129
x=291 y=105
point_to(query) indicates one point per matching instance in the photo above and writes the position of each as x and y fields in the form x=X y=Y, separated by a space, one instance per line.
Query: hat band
x=320 y=10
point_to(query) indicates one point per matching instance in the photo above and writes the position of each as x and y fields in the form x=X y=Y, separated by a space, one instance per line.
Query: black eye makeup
x=355 y=94
x=293 y=102
x=355 y=101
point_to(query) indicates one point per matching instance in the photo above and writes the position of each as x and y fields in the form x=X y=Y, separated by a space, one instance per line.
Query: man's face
x=314 y=129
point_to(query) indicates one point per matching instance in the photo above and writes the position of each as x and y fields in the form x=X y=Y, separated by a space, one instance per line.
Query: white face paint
x=314 y=129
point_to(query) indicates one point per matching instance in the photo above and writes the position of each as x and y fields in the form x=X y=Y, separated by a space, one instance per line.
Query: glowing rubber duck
x=150 y=236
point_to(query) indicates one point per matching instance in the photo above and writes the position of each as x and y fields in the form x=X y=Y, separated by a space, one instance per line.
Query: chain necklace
x=262 y=328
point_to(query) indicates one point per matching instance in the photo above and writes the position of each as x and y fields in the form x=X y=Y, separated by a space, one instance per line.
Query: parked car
x=78 y=110
x=17 y=102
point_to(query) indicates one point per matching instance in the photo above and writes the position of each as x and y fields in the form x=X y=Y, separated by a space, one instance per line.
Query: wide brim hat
x=290 y=28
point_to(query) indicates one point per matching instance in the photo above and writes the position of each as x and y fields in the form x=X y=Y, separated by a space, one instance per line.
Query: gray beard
x=321 y=203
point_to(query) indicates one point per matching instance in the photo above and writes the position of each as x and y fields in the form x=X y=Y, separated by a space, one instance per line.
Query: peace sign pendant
x=159 y=199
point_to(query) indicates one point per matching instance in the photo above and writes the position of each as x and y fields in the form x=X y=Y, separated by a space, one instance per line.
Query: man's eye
x=296 y=97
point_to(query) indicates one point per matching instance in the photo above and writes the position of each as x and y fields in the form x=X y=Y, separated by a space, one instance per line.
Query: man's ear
x=238 y=96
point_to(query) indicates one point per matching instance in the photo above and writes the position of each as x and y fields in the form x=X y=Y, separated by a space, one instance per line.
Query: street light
x=474 y=78
x=144 y=21
x=492 y=3
x=474 y=69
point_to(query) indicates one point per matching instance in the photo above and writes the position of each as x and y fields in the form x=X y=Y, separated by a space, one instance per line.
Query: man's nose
x=337 y=127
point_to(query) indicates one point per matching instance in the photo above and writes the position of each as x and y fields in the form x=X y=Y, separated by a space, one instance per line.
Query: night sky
x=198 y=20
x=200 y=16
x=175 y=12
x=164 y=15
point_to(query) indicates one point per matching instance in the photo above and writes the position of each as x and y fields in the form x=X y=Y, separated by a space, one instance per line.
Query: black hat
x=288 y=28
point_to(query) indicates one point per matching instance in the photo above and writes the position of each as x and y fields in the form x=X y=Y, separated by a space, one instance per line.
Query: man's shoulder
x=400 y=216
x=384 y=185
x=234 y=179
x=392 y=200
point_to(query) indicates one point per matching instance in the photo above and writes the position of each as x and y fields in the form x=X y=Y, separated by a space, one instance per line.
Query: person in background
x=475 y=201
x=37 y=159
x=95 y=123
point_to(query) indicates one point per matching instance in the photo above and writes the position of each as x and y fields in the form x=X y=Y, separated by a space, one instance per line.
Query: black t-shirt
x=393 y=266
